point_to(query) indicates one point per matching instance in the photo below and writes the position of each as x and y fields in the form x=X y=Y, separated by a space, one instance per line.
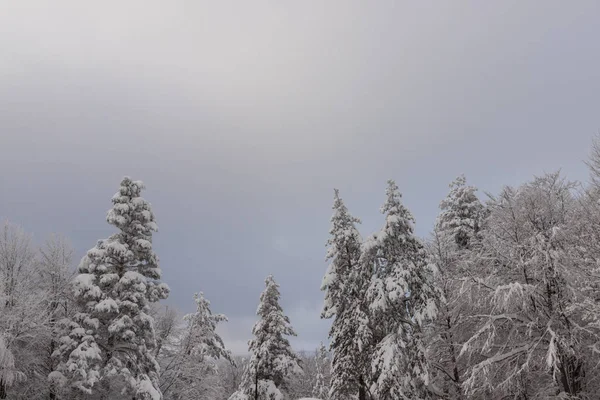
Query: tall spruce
x=402 y=297
x=455 y=236
x=345 y=284
x=109 y=345
x=202 y=340
x=272 y=358
x=461 y=213
x=191 y=364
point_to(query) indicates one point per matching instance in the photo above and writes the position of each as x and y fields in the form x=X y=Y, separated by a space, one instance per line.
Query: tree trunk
x=456 y=377
x=362 y=391
x=571 y=374
x=2 y=390
x=52 y=394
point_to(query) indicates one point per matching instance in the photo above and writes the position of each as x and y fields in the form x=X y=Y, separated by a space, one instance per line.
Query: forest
x=500 y=301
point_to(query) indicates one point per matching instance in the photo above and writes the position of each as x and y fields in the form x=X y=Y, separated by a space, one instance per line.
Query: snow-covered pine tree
x=461 y=212
x=272 y=358
x=194 y=375
x=345 y=284
x=321 y=389
x=202 y=340
x=401 y=296
x=109 y=345
x=455 y=236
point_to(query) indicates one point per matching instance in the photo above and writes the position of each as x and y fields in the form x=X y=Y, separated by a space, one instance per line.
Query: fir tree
x=345 y=283
x=272 y=358
x=191 y=367
x=461 y=213
x=456 y=235
x=401 y=298
x=110 y=341
x=202 y=340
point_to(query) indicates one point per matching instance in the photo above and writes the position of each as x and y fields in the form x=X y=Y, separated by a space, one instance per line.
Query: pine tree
x=401 y=297
x=321 y=390
x=455 y=236
x=272 y=358
x=191 y=371
x=202 y=340
x=110 y=342
x=461 y=213
x=345 y=283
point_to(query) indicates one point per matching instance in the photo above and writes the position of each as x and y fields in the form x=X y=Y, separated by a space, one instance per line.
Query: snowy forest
x=501 y=301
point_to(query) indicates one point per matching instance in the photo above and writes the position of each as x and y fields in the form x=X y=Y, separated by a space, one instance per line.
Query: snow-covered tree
x=191 y=363
x=593 y=163
x=321 y=388
x=401 y=297
x=167 y=330
x=55 y=277
x=461 y=213
x=17 y=264
x=454 y=236
x=8 y=372
x=110 y=342
x=538 y=333
x=301 y=386
x=345 y=284
x=266 y=389
x=23 y=311
x=202 y=340
x=272 y=358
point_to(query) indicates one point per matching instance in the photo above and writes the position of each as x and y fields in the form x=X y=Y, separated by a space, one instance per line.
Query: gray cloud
x=241 y=118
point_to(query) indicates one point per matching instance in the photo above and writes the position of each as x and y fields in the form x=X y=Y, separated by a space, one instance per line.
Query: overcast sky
x=241 y=117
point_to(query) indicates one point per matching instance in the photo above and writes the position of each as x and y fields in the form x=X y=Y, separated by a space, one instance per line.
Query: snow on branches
x=110 y=341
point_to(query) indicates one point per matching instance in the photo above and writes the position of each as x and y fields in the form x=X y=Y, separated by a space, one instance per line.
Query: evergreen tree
x=401 y=297
x=461 y=213
x=345 y=284
x=321 y=390
x=202 y=340
x=455 y=235
x=272 y=358
x=191 y=370
x=110 y=341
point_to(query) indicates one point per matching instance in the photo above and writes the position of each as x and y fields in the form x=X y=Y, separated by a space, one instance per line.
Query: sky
x=241 y=117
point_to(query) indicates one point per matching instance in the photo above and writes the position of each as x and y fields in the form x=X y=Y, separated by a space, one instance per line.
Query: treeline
x=502 y=301
x=101 y=333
